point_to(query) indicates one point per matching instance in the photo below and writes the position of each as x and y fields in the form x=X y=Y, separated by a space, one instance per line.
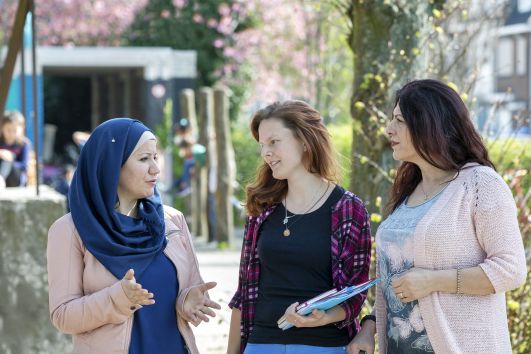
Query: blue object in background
x=14 y=99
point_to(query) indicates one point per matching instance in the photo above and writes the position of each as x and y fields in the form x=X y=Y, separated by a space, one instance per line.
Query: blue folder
x=329 y=301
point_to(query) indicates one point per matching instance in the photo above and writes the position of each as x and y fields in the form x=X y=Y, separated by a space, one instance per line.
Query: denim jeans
x=253 y=348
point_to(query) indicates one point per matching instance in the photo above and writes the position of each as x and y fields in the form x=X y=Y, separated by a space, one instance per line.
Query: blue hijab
x=119 y=242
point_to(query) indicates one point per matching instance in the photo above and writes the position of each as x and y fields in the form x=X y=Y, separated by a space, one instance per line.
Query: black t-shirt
x=295 y=269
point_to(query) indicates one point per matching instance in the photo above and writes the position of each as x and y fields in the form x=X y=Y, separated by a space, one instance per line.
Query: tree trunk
x=371 y=40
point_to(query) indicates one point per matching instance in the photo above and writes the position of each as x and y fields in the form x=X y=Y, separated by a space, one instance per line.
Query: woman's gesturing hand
x=134 y=291
x=197 y=305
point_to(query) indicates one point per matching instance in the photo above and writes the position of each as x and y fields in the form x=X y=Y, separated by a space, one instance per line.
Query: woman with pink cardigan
x=451 y=246
x=122 y=272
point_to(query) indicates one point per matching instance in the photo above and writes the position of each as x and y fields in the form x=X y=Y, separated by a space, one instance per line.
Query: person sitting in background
x=80 y=138
x=15 y=149
x=184 y=182
x=184 y=132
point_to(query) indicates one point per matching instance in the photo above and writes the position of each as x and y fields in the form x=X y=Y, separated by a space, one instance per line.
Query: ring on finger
x=401 y=295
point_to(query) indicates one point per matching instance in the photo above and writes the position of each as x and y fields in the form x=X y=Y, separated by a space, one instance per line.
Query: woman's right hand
x=134 y=291
x=363 y=341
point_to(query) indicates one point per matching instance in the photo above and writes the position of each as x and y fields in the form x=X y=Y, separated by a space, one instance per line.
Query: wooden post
x=187 y=100
x=188 y=109
x=226 y=167
x=206 y=129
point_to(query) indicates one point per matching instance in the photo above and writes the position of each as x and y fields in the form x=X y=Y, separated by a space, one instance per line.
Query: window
x=524 y=5
x=521 y=55
x=505 y=57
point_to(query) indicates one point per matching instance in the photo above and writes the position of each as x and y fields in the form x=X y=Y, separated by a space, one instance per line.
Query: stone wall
x=25 y=326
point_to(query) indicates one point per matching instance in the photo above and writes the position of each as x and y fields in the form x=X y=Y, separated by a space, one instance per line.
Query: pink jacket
x=473 y=223
x=87 y=301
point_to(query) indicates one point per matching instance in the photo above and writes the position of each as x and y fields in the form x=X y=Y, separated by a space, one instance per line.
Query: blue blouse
x=405 y=328
x=155 y=326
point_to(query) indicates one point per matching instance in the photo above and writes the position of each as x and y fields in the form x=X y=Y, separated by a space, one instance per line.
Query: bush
x=511 y=155
x=512 y=158
x=247 y=158
x=342 y=140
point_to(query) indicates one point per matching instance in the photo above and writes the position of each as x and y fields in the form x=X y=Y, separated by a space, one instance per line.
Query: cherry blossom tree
x=81 y=22
x=76 y=22
x=208 y=27
x=296 y=50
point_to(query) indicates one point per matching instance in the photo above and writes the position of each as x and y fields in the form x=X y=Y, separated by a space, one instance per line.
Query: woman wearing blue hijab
x=123 y=276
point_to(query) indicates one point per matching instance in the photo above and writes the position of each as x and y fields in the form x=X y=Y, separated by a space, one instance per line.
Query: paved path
x=222 y=267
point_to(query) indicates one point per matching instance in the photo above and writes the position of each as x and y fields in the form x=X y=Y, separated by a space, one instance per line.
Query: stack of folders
x=327 y=300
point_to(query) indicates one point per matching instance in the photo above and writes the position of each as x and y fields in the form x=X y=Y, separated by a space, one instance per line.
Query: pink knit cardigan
x=473 y=223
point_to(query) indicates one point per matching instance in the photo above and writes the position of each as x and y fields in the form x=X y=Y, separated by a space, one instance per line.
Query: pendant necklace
x=286 y=217
x=427 y=195
x=286 y=232
x=130 y=210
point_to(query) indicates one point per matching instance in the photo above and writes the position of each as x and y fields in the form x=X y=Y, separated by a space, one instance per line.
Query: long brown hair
x=307 y=126
x=441 y=131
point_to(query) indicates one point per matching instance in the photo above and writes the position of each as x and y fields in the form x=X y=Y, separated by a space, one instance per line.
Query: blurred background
x=195 y=70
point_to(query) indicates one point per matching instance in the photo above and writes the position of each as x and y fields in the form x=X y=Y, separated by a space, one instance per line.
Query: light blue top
x=405 y=328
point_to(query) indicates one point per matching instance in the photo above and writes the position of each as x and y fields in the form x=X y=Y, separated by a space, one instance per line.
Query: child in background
x=15 y=149
x=183 y=183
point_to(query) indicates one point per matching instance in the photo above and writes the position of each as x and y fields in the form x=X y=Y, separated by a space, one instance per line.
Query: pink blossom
x=225 y=26
x=179 y=4
x=99 y=6
x=165 y=14
x=197 y=18
x=212 y=23
x=218 y=43
x=229 y=52
x=224 y=9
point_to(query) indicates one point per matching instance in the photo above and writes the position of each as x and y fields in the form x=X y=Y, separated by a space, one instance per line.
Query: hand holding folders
x=326 y=301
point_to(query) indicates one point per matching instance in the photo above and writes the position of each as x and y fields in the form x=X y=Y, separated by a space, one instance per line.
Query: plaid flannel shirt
x=351 y=258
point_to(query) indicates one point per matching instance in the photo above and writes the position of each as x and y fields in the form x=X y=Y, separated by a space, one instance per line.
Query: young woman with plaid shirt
x=304 y=235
